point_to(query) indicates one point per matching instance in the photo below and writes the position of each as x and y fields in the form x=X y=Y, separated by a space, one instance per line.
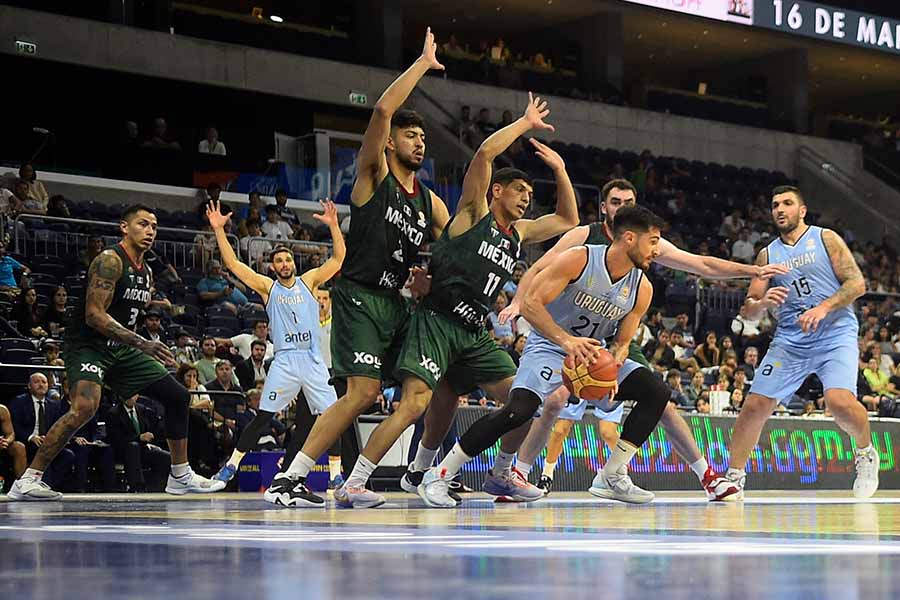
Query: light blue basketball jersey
x=293 y=318
x=593 y=305
x=811 y=280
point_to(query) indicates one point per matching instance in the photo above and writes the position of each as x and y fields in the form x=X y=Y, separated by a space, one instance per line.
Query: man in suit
x=254 y=368
x=153 y=329
x=9 y=447
x=33 y=413
x=129 y=427
x=89 y=449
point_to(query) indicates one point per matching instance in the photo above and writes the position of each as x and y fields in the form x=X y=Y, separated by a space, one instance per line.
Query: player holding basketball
x=293 y=312
x=392 y=215
x=102 y=348
x=586 y=295
x=817 y=333
x=472 y=261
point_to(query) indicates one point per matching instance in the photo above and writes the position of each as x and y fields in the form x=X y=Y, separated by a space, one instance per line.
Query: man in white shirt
x=257 y=252
x=274 y=228
x=742 y=249
x=732 y=224
x=241 y=344
x=211 y=145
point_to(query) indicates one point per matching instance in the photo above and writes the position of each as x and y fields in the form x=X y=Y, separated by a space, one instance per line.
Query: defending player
x=293 y=312
x=588 y=294
x=817 y=333
x=102 y=348
x=392 y=214
x=471 y=262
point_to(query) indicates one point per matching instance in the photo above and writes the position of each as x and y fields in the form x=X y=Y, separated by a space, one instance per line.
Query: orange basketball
x=590 y=382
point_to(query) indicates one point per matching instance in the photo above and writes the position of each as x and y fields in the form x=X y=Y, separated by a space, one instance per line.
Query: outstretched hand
x=429 y=51
x=214 y=213
x=536 y=112
x=329 y=214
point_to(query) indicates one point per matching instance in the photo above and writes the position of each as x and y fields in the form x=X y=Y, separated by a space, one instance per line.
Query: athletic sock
x=503 y=463
x=32 y=474
x=549 y=468
x=699 y=467
x=735 y=474
x=424 y=458
x=300 y=466
x=236 y=457
x=362 y=470
x=334 y=466
x=181 y=470
x=523 y=467
x=453 y=462
x=619 y=457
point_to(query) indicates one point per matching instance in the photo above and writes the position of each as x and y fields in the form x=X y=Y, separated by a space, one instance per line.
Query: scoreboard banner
x=792 y=454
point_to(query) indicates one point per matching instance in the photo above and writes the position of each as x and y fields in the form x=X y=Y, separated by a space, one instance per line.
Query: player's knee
x=362 y=391
x=756 y=404
x=83 y=409
x=521 y=407
x=839 y=401
x=609 y=435
x=555 y=402
x=414 y=399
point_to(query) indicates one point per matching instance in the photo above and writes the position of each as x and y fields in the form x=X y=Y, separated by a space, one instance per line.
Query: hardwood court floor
x=773 y=545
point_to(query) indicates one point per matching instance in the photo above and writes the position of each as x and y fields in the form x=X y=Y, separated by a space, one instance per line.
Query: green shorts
x=367 y=331
x=438 y=346
x=125 y=370
x=637 y=355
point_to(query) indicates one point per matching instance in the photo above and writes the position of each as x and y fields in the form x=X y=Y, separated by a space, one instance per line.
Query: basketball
x=590 y=382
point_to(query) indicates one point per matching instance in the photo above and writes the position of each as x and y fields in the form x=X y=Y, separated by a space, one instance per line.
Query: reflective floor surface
x=773 y=545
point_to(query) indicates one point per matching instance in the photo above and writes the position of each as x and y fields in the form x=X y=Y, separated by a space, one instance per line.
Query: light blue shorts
x=575 y=412
x=540 y=371
x=293 y=372
x=783 y=369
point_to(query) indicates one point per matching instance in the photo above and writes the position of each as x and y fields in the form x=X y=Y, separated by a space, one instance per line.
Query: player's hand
x=329 y=214
x=536 y=112
x=612 y=393
x=767 y=272
x=419 y=282
x=582 y=350
x=80 y=441
x=547 y=154
x=809 y=320
x=4 y=443
x=214 y=213
x=159 y=351
x=511 y=312
x=38 y=440
x=776 y=296
x=429 y=51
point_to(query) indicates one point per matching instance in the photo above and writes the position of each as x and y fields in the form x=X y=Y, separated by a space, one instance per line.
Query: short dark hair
x=254 y=192
x=206 y=337
x=635 y=218
x=258 y=321
x=789 y=189
x=507 y=175
x=271 y=208
x=256 y=222
x=257 y=343
x=135 y=209
x=278 y=250
x=281 y=192
x=617 y=184
x=406 y=118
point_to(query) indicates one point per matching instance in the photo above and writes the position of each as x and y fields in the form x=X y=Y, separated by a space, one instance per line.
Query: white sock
x=424 y=458
x=362 y=470
x=620 y=456
x=503 y=463
x=334 y=466
x=861 y=450
x=699 y=467
x=735 y=474
x=300 y=466
x=453 y=462
x=236 y=457
x=523 y=467
x=32 y=474
x=549 y=468
x=180 y=470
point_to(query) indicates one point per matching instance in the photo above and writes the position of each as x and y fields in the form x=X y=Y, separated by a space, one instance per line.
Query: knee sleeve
x=651 y=396
x=251 y=434
x=177 y=402
x=485 y=432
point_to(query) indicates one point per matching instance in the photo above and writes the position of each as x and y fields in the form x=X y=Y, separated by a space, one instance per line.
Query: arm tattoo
x=847 y=271
x=102 y=277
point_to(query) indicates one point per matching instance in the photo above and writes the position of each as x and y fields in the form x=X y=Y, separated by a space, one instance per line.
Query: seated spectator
x=255 y=251
x=51 y=354
x=33 y=414
x=887 y=345
x=28 y=317
x=483 y=125
x=185 y=349
x=736 y=401
x=152 y=328
x=36 y=193
x=732 y=225
x=94 y=247
x=885 y=362
x=739 y=381
x=465 y=127
x=742 y=249
x=682 y=359
x=205 y=245
x=707 y=353
x=517 y=348
x=541 y=63
x=8 y=269
x=751 y=360
x=512 y=285
x=160 y=302
x=255 y=368
x=10 y=448
x=659 y=352
x=683 y=324
x=286 y=213
x=643 y=334
x=274 y=228
x=130 y=429
x=211 y=144
x=500 y=54
x=160 y=139
x=729 y=359
x=58 y=207
x=879 y=382
x=241 y=344
x=696 y=388
x=55 y=318
x=225 y=381
x=220 y=289
x=702 y=405
x=91 y=450
x=676 y=392
x=255 y=207
x=206 y=366
x=272 y=437
x=503 y=334
x=164 y=272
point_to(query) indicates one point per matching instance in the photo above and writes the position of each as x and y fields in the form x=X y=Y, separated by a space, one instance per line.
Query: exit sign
x=359 y=98
x=25 y=47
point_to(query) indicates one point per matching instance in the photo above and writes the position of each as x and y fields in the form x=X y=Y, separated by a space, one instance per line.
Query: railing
x=182 y=254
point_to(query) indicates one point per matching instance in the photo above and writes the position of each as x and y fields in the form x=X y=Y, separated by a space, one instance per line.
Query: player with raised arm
x=471 y=262
x=102 y=348
x=817 y=333
x=298 y=365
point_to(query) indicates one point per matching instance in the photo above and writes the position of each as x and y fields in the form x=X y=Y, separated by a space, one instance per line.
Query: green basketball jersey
x=131 y=295
x=597 y=236
x=469 y=271
x=386 y=234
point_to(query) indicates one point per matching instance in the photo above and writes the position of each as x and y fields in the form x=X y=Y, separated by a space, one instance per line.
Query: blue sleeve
x=202 y=286
x=16 y=264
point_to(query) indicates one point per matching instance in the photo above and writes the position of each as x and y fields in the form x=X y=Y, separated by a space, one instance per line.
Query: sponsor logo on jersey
x=89 y=368
x=388 y=280
x=466 y=313
x=300 y=337
x=625 y=291
x=430 y=366
x=364 y=358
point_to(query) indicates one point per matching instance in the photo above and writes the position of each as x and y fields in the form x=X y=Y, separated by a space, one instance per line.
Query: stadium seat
x=16 y=344
x=19 y=355
x=220 y=332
